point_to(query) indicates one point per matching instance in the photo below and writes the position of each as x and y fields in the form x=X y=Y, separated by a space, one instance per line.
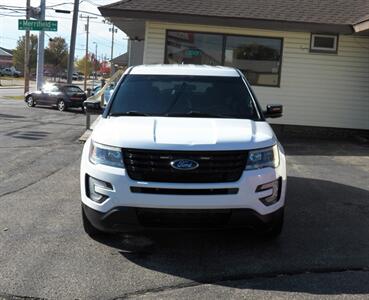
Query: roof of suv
x=191 y=70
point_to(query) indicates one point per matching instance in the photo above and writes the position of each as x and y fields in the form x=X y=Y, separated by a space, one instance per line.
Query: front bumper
x=127 y=195
x=133 y=219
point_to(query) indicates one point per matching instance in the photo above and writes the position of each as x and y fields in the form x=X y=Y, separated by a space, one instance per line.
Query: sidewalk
x=14 y=83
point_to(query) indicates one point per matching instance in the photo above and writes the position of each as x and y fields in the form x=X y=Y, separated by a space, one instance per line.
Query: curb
x=88 y=132
x=5 y=87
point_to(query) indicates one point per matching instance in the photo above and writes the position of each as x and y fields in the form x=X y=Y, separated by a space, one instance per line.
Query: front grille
x=214 y=166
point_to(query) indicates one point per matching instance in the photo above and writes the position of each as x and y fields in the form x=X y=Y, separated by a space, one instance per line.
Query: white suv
x=183 y=146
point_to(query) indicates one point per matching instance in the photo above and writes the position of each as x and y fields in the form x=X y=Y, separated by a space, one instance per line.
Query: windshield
x=183 y=96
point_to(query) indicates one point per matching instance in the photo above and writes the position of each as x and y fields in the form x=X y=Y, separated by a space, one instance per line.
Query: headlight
x=106 y=155
x=263 y=158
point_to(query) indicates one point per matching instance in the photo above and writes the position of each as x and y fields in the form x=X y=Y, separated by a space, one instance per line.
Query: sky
x=99 y=32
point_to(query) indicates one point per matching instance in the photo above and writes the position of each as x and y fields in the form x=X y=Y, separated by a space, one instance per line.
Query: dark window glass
x=258 y=58
x=194 y=48
x=324 y=42
x=70 y=90
x=182 y=96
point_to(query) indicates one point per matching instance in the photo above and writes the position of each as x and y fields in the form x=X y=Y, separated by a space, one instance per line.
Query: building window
x=259 y=58
x=194 y=48
x=324 y=43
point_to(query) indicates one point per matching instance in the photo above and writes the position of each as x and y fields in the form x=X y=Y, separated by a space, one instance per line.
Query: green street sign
x=38 y=25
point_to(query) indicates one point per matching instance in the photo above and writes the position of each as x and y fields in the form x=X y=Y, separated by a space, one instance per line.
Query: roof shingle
x=334 y=12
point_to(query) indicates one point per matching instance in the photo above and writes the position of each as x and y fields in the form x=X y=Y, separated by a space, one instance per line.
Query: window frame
x=224 y=42
x=314 y=49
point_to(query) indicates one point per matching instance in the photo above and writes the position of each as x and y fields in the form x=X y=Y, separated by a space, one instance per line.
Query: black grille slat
x=214 y=166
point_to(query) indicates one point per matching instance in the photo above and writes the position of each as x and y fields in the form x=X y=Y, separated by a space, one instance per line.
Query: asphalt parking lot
x=323 y=251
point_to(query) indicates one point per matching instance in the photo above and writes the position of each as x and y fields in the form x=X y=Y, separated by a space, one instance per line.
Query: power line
x=17 y=16
x=12 y=7
x=90 y=13
x=59 y=4
x=92 y=3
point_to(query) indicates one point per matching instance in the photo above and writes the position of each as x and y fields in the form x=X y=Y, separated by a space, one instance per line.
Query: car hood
x=183 y=133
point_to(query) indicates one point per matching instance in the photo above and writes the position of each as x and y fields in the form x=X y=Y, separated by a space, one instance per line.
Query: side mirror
x=92 y=107
x=273 y=111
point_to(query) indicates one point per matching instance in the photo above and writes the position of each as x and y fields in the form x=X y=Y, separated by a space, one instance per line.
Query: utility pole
x=86 y=55
x=95 y=66
x=72 y=47
x=112 y=42
x=26 y=50
x=40 y=50
x=113 y=30
x=87 y=28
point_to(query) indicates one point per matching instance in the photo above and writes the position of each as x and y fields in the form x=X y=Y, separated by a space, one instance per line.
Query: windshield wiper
x=129 y=113
x=193 y=113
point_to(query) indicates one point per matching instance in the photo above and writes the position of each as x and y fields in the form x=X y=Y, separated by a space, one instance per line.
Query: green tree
x=18 y=53
x=80 y=65
x=56 y=55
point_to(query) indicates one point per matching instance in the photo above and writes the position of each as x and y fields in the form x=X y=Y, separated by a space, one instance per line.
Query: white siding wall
x=316 y=89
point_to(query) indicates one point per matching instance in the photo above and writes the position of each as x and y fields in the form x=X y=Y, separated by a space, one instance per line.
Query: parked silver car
x=10 y=72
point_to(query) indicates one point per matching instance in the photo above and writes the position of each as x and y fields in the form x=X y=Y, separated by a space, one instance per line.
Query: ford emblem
x=184 y=164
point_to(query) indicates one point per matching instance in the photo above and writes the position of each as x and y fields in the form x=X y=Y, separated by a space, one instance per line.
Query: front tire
x=88 y=227
x=61 y=105
x=30 y=101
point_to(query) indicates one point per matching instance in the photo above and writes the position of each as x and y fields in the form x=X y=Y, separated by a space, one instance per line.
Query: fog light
x=275 y=187
x=91 y=193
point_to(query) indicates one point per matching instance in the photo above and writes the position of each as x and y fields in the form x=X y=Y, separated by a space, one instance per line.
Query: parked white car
x=108 y=92
x=183 y=146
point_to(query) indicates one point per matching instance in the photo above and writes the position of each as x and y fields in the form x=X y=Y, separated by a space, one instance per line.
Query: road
x=11 y=91
x=323 y=251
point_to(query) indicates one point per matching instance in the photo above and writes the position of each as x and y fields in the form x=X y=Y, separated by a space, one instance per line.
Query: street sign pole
x=26 y=51
x=41 y=49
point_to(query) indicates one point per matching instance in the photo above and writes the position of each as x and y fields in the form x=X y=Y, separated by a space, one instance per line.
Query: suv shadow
x=326 y=230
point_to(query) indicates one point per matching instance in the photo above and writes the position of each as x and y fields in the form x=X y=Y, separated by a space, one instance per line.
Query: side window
x=324 y=43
